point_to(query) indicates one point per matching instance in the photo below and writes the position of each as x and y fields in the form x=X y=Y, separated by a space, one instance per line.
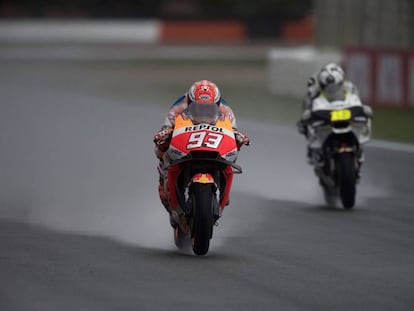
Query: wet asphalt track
x=81 y=227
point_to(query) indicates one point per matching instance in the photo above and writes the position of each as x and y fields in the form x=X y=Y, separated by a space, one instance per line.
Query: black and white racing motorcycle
x=336 y=132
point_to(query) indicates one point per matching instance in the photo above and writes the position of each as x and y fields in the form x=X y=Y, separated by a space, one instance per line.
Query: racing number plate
x=341 y=115
x=198 y=139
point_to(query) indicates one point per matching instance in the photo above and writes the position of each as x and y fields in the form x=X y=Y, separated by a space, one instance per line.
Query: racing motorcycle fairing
x=200 y=153
x=323 y=103
x=345 y=117
x=188 y=137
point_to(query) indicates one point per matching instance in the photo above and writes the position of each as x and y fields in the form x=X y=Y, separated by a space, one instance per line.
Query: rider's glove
x=301 y=126
x=367 y=111
x=162 y=138
x=241 y=138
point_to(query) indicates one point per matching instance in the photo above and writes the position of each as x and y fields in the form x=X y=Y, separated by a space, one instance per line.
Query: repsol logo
x=203 y=127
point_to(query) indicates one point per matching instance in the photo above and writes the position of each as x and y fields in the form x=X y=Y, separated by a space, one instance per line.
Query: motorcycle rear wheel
x=346 y=179
x=202 y=231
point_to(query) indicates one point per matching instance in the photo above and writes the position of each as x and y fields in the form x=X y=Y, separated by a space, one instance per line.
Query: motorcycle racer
x=202 y=94
x=329 y=83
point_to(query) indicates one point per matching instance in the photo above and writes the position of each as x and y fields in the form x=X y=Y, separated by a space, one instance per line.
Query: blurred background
x=367 y=23
x=261 y=19
x=373 y=40
x=85 y=84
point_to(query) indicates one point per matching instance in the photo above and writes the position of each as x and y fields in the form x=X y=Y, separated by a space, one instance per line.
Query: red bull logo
x=203 y=178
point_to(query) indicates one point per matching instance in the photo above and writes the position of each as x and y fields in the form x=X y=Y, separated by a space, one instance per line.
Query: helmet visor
x=203 y=113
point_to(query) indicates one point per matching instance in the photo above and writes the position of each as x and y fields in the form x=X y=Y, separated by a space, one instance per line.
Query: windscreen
x=203 y=113
x=334 y=92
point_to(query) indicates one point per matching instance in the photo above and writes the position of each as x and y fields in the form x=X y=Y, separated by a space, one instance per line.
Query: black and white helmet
x=331 y=77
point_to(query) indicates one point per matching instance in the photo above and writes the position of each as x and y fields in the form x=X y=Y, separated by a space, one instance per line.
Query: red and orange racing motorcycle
x=199 y=166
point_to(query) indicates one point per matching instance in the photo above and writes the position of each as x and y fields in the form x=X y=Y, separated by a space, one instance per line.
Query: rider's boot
x=361 y=160
x=164 y=201
x=163 y=196
x=309 y=155
x=161 y=188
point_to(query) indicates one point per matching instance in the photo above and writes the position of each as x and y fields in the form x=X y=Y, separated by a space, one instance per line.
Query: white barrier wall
x=50 y=31
x=290 y=68
x=123 y=31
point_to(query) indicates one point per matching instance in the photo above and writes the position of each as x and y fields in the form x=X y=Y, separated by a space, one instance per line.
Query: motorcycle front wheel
x=203 y=201
x=346 y=179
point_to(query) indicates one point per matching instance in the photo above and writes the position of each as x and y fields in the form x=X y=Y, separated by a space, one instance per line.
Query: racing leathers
x=315 y=90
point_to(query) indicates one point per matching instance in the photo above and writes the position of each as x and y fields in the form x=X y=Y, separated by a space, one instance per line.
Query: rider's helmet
x=203 y=101
x=331 y=78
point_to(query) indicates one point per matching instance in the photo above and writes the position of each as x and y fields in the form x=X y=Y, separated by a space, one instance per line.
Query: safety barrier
x=203 y=32
x=383 y=77
x=140 y=31
x=60 y=31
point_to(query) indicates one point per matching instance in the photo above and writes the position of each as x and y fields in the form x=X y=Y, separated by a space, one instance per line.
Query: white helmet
x=331 y=77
